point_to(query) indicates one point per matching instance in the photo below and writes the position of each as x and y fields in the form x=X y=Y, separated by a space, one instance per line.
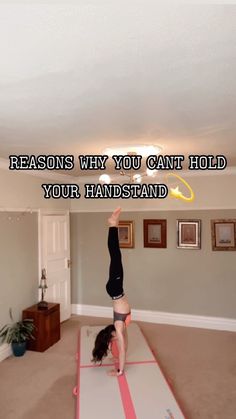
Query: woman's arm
x=126 y=339
x=120 y=339
x=122 y=349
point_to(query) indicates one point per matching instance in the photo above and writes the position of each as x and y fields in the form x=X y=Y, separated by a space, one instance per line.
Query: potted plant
x=17 y=334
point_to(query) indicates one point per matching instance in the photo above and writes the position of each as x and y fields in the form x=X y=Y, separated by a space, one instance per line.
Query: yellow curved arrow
x=176 y=193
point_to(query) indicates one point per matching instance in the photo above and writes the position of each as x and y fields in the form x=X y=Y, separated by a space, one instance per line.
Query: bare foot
x=113 y=221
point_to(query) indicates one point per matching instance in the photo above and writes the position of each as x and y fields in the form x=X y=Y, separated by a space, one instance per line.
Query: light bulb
x=137 y=178
x=151 y=173
x=105 y=179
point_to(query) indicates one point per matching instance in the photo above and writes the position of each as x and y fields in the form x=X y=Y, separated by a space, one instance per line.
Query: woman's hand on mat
x=113 y=359
x=112 y=373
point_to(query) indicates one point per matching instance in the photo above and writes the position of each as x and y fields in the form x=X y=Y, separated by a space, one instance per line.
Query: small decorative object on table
x=43 y=305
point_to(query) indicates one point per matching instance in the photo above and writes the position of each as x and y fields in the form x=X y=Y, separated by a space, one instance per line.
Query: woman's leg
x=115 y=282
x=116 y=268
x=113 y=221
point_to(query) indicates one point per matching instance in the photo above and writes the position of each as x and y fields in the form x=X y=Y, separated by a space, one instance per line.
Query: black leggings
x=114 y=285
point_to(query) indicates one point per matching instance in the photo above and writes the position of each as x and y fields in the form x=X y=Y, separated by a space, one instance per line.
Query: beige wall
x=19 y=239
x=212 y=191
x=179 y=281
x=200 y=282
x=215 y=191
x=19 y=190
x=18 y=262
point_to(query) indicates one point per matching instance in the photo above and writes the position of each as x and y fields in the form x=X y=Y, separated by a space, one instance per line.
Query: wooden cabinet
x=47 y=323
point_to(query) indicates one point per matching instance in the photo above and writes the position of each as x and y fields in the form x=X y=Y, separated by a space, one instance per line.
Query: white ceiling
x=80 y=77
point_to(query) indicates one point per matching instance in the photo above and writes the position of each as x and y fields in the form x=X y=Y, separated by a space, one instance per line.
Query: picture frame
x=126 y=234
x=154 y=233
x=223 y=234
x=189 y=234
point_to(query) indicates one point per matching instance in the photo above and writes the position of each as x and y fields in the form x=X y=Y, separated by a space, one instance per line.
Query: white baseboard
x=5 y=351
x=187 y=320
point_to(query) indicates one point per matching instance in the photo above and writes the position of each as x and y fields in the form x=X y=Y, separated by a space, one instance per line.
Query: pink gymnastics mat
x=141 y=393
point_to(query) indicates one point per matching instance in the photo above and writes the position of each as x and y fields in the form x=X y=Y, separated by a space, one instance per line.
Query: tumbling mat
x=141 y=393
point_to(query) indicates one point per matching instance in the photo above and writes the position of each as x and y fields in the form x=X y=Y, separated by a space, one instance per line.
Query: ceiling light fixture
x=134 y=177
x=143 y=150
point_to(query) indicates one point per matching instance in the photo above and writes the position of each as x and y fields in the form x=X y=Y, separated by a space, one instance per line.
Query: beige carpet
x=201 y=365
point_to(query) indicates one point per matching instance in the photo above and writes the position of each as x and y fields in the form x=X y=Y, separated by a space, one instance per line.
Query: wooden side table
x=47 y=323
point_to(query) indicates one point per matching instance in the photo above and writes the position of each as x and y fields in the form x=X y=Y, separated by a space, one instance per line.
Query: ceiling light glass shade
x=151 y=173
x=105 y=179
x=137 y=178
x=141 y=150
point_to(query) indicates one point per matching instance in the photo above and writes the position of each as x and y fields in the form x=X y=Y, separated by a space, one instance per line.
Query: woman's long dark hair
x=102 y=343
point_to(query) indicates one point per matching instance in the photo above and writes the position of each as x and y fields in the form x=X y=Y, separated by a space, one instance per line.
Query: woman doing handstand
x=121 y=309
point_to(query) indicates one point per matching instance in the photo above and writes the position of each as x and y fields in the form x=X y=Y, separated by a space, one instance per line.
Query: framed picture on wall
x=223 y=234
x=126 y=234
x=154 y=233
x=189 y=234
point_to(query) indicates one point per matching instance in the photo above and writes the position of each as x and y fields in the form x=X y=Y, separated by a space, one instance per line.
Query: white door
x=55 y=259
